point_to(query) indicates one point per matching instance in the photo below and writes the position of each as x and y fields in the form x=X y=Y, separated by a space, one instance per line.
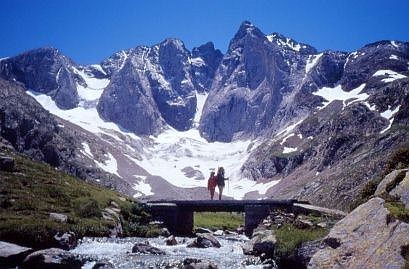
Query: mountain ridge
x=285 y=107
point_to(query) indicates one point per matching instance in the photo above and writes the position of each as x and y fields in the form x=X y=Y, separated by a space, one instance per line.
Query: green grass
x=28 y=195
x=398 y=211
x=218 y=220
x=289 y=238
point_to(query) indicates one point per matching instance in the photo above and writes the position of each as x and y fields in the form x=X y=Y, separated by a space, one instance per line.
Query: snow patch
x=393 y=57
x=142 y=187
x=311 y=62
x=289 y=150
x=201 y=100
x=285 y=138
x=394 y=44
x=86 y=118
x=198 y=61
x=337 y=93
x=388 y=114
x=110 y=165
x=94 y=88
x=391 y=75
x=87 y=150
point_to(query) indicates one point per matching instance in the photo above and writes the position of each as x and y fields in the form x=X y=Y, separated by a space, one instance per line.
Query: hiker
x=211 y=184
x=220 y=181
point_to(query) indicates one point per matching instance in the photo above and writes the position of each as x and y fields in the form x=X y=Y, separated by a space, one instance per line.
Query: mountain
x=284 y=119
x=154 y=87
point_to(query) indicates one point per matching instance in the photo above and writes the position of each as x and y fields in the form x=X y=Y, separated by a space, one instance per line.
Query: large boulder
x=204 y=241
x=365 y=238
x=11 y=254
x=262 y=243
x=191 y=263
x=395 y=184
x=145 y=248
x=58 y=217
x=52 y=258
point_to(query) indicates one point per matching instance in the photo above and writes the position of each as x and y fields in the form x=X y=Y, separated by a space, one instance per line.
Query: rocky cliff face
x=155 y=86
x=46 y=71
x=357 y=121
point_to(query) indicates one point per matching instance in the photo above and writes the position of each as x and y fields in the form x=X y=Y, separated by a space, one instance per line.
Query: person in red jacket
x=211 y=184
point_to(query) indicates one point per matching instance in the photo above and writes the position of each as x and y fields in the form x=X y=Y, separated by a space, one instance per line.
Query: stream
x=118 y=252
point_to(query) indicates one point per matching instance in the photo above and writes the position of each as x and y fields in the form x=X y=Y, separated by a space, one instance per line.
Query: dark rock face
x=46 y=71
x=363 y=63
x=127 y=102
x=249 y=86
x=152 y=87
x=205 y=61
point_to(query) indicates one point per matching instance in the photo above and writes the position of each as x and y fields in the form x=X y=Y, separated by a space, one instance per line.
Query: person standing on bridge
x=220 y=181
x=211 y=184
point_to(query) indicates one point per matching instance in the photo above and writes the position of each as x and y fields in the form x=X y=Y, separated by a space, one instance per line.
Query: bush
x=87 y=208
x=398 y=211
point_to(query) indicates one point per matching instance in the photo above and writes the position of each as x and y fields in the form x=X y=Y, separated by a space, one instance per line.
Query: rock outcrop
x=52 y=258
x=44 y=70
x=366 y=238
x=12 y=255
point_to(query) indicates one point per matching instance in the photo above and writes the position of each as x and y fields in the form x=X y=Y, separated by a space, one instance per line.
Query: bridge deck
x=223 y=205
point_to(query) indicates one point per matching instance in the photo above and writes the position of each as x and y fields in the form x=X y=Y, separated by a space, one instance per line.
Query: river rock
x=191 y=263
x=12 y=254
x=262 y=243
x=52 y=258
x=6 y=163
x=58 y=217
x=66 y=240
x=365 y=238
x=204 y=241
x=143 y=248
x=171 y=241
x=218 y=233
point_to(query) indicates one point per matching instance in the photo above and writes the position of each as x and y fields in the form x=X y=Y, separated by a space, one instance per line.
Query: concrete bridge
x=177 y=215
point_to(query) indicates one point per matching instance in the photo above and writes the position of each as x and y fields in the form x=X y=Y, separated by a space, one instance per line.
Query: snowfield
x=184 y=159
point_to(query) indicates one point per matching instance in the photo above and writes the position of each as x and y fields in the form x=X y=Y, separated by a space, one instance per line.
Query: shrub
x=87 y=208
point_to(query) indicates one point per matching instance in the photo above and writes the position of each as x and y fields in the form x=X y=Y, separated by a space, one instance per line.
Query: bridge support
x=179 y=221
x=254 y=214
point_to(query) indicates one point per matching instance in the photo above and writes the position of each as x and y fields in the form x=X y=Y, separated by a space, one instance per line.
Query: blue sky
x=89 y=31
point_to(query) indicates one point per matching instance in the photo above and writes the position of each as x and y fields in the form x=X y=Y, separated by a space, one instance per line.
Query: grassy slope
x=28 y=195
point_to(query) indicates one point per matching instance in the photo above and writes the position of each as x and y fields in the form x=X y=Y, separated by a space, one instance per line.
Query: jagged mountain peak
x=290 y=44
x=174 y=43
x=246 y=29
